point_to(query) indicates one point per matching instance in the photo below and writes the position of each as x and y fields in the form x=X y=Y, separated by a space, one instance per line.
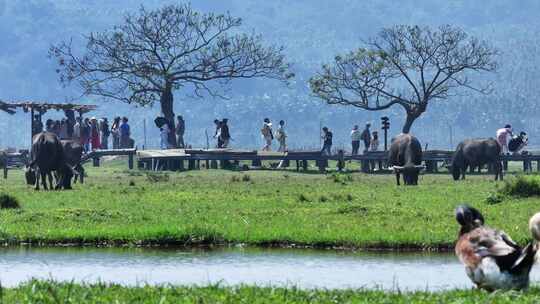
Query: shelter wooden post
x=32 y=127
x=130 y=161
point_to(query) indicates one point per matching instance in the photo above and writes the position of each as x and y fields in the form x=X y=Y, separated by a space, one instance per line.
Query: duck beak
x=463 y=215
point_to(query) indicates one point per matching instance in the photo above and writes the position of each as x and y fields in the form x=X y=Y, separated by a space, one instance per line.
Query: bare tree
x=156 y=52
x=410 y=66
x=6 y=107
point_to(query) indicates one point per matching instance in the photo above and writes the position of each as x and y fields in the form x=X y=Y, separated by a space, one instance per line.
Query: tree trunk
x=411 y=117
x=167 y=108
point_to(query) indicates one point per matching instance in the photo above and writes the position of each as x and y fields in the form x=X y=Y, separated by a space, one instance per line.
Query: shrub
x=341 y=178
x=303 y=198
x=494 y=198
x=522 y=187
x=157 y=177
x=8 y=202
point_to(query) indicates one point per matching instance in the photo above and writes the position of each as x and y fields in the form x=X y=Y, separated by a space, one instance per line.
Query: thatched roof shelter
x=42 y=107
x=37 y=109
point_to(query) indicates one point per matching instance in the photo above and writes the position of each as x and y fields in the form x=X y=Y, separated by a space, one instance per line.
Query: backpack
x=514 y=143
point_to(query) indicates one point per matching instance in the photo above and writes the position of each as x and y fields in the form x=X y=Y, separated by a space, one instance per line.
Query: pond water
x=230 y=266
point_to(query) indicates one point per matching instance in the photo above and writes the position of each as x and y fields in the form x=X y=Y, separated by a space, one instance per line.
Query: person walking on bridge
x=281 y=136
x=327 y=142
x=180 y=129
x=355 y=139
x=125 y=134
x=225 y=134
x=366 y=137
x=267 y=135
x=217 y=134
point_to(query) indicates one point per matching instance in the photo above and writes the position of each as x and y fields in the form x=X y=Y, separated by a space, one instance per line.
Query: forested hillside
x=313 y=32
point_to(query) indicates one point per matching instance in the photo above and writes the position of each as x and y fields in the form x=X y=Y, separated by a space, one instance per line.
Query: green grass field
x=51 y=292
x=283 y=208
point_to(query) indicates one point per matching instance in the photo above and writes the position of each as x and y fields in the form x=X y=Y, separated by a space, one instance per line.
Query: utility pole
x=385 y=126
x=451 y=138
x=144 y=130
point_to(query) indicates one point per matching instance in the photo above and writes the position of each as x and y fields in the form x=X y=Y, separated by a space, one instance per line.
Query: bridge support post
x=130 y=162
x=322 y=164
x=181 y=165
x=365 y=166
x=5 y=167
x=191 y=164
x=527 y=167
x=304 y=165
x=341 y=160
x=95 y=161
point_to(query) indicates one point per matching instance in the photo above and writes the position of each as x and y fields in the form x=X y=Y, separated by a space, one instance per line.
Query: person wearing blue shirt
x=124 y=133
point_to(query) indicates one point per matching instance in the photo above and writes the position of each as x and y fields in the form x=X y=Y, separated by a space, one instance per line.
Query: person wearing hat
x=267 y=134
x=366 y=137
x=355 y=139
x=502 y=137
x=374 y=145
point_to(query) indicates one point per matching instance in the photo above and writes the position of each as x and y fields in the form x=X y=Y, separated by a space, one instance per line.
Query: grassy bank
x=116 y=206
x=51 y=292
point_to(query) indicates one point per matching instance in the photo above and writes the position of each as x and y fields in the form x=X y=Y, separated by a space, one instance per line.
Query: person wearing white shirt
x=355 y=139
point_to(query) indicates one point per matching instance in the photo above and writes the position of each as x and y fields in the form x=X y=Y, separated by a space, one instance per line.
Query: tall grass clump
x=8 y=202
x=522 y=187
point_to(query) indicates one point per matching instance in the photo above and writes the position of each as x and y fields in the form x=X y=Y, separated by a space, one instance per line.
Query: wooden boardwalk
x=174 y=159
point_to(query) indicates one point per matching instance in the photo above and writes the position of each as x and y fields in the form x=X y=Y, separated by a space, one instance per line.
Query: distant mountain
x=313 y=32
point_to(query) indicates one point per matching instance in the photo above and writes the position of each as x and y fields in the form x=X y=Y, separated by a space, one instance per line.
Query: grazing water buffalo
x=48 y=156
x=405 y=156
x=476 y=153
x=73 y=152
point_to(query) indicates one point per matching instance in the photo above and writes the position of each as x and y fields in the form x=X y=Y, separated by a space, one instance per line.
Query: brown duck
x=492 y=260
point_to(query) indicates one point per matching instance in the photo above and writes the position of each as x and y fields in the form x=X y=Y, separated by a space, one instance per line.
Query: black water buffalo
x=73 y=152
x=476 y=153
x=405 y=156
x=48 y=156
